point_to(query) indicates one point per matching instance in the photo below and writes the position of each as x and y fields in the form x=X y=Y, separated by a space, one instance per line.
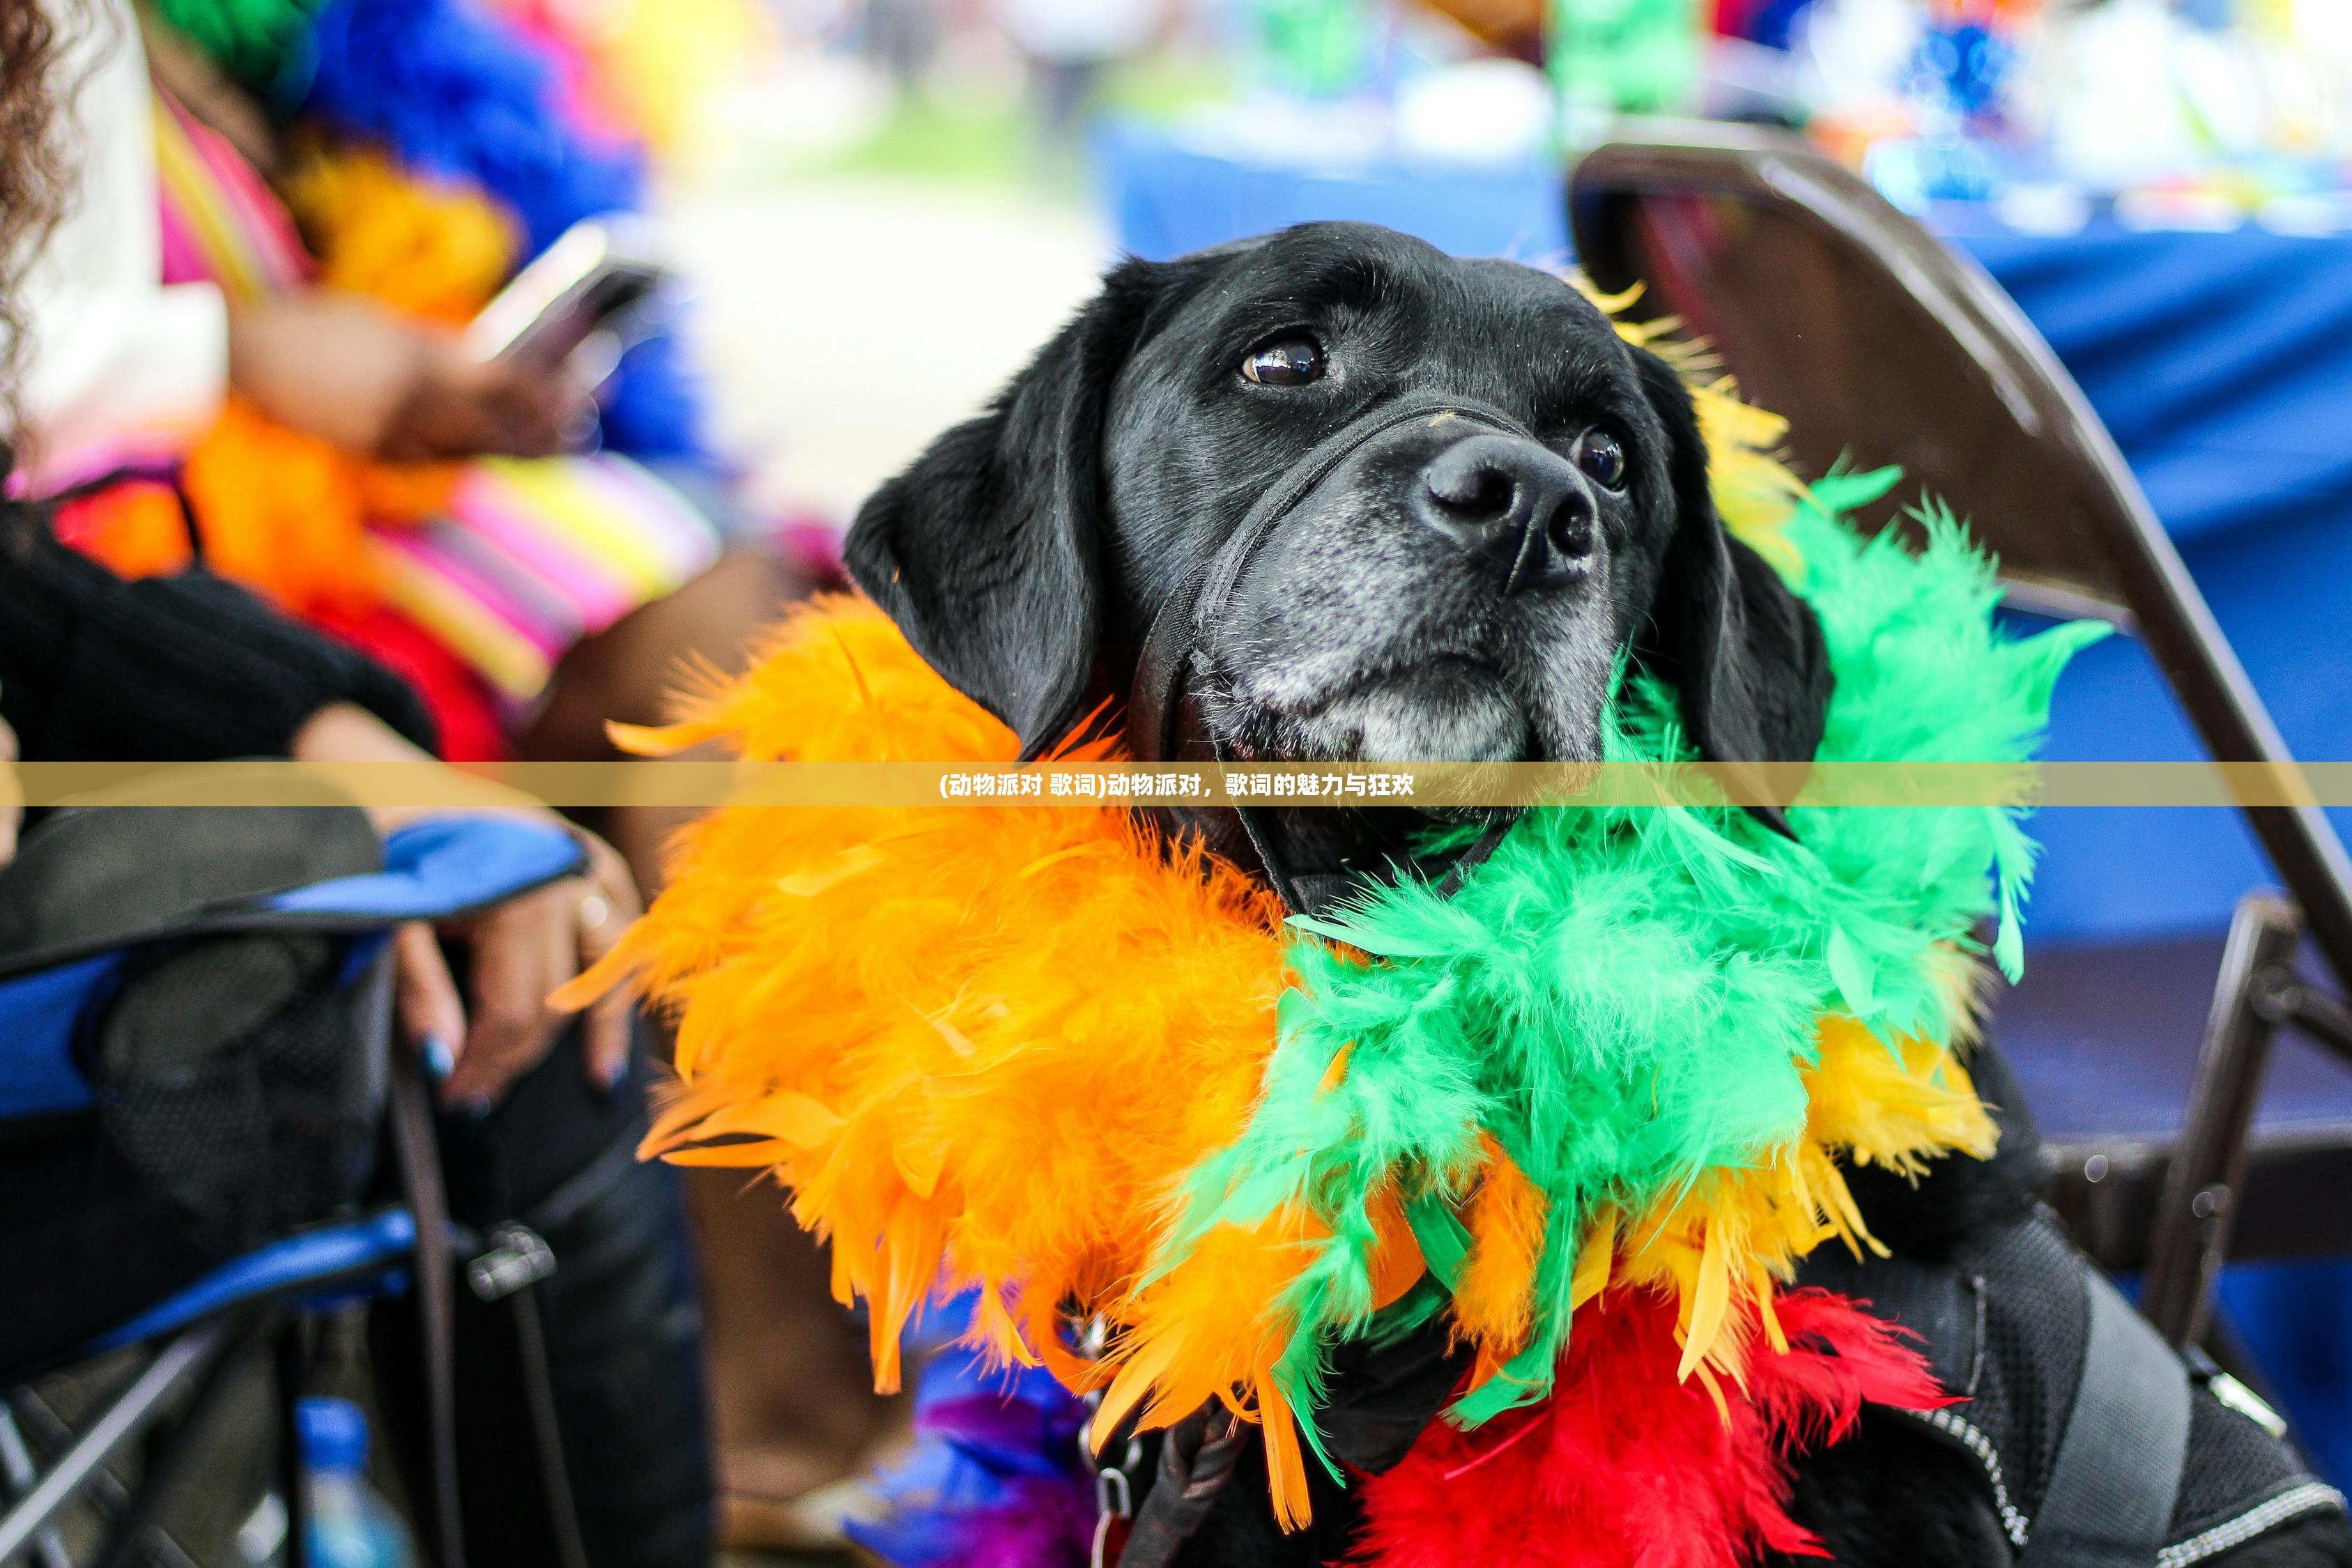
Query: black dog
x=1335 y=495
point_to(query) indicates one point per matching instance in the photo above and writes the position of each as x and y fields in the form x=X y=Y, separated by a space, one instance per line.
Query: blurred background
x=879 y=210
x=888 y=205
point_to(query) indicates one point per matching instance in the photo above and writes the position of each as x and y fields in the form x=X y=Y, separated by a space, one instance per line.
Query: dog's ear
x=987 y=551
x=1746 y=653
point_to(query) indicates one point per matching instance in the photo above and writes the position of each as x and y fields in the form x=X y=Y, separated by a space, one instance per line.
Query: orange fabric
x=285 y=512
x=282 y=512
x=133 y=530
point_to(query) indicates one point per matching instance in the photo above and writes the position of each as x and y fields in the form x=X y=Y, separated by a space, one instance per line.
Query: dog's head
x=1459 y=586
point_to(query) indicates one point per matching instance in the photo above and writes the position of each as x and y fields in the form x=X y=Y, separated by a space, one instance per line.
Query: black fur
x=988 y=551
x=1892 y=1496
x=1026 y=552
x=1025 y=555
x=1768 y=707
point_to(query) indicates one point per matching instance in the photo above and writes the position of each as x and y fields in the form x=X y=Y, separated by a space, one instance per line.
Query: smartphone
x=603 y=277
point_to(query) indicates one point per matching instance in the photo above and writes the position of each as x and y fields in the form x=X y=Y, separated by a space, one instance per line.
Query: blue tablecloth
x=2223 y=362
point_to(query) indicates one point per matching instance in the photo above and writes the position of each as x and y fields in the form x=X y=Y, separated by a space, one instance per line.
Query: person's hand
x=355 y=374
x=463 y=407
x=522 y=951
x=12 y=793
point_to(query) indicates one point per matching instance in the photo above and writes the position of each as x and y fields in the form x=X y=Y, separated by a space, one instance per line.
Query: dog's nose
x=1519 y=507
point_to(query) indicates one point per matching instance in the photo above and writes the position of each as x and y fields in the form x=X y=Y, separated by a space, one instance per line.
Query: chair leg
x=16 y=1464
x=2196 y=1210
x=106 y=1495
x=547 y=1429
x=419 y=1159
x=2321 y=1016
x=178 y=1367
x=135 y=1535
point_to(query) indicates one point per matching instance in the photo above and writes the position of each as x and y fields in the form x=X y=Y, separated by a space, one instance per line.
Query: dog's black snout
x=1518 y=506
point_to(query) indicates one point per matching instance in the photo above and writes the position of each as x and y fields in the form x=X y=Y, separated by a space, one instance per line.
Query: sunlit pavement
x=845 y=323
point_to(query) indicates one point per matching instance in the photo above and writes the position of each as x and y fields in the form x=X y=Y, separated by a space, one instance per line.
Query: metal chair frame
x=2103 y=552
x=203 y=1331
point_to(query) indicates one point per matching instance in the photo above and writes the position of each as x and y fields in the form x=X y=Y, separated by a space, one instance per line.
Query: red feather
x=1626 y=1467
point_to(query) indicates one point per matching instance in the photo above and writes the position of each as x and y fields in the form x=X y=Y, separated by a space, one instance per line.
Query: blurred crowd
x=2250 y=99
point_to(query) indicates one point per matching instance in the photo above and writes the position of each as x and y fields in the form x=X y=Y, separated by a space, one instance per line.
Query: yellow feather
x=1707 y=1303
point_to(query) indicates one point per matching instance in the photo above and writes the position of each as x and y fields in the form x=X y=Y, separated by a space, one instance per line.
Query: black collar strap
x=1173 y=645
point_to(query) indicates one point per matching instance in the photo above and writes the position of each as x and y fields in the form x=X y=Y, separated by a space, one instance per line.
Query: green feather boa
x=249 y=39
x=1625 y=998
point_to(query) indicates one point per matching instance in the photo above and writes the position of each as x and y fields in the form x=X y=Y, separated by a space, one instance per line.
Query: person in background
x=186 y=666
x=1067 y=44
x=339 y=450
x=902 y=36
x=192 y=667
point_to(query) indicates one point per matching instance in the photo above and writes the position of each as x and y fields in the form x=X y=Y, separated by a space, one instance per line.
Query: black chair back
x=1880 y=344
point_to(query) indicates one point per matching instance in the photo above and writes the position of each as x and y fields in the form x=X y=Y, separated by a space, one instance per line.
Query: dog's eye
x=1288 y=362
x=1600 y=456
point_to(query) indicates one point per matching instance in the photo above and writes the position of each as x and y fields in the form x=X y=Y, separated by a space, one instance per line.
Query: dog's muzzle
x=1163 y=717
x=1164 y=723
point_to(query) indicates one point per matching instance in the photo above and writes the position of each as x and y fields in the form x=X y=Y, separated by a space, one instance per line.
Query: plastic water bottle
x=350 y=1525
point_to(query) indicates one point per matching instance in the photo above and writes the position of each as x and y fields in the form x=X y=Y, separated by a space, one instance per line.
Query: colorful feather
x=995 y=1478
x=429 y=249
x=1629 y=1467
x=461 y=94
x=465 y=97
x=1033 y=1051
x=250 y=40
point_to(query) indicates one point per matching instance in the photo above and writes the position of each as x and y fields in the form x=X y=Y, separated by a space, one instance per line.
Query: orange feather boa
x=982 y=1047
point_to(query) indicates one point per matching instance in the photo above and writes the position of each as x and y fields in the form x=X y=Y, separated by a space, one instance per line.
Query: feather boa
x=462 y=94
x=1029 y=1051
x=250 y=40
x=1624 y=1468
x=464 y=97
x=1541 y=1124
x=1629 y=1467
x=476 y=105
x=995 y=1478
x=430 y=249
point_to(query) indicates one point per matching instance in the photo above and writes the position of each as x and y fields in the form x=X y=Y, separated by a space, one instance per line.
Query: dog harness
x=2101 y=1446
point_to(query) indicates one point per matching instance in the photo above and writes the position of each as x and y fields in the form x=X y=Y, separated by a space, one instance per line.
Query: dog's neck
x=1324 y=854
